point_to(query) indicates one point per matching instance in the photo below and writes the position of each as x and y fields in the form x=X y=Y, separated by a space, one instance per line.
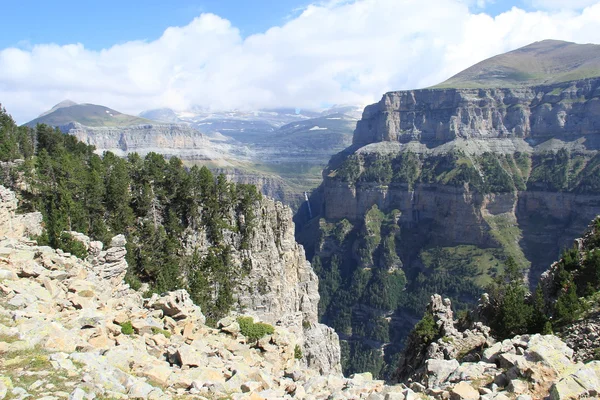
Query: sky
x=234 y=54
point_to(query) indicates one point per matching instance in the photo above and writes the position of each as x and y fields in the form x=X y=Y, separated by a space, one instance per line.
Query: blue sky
x=101 y=24
x=134 y=55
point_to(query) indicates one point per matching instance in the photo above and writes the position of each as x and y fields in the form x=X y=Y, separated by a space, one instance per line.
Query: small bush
x=67 y=244
x=254 y=331
x=163 y=332
x=297 y=352
x=126 y=328
x=426 y=329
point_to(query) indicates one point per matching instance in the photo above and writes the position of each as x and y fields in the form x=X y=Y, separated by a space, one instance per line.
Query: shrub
x=254 y=330
x=426 y=329
x=70 y=245
x=163 y=332
x=126 y=328
x=297 y=352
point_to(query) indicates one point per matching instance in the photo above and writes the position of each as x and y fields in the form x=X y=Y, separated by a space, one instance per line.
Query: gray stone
x=439 y=370
x=518 y=386
x=77 y=394
x=177 y=305
x=7 y=275
x=394 y=396
x=118 y=241
x=140 y=390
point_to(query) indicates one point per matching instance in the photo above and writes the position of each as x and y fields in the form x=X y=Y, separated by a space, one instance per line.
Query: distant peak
x=62 y=104
x=65 y=103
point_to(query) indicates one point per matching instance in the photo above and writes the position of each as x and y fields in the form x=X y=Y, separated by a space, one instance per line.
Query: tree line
x=157 y=203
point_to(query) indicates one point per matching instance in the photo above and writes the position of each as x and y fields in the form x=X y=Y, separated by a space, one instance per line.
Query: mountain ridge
x=543 y=62
x=92 y=115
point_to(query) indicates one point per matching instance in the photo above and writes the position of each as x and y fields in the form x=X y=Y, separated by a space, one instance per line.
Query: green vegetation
x=486 y=173
x=164 y=332
x=66 y=243
x=361 y=357
x=574 y=282
x=365 y=278
x=426 y=329
x=254 y=330
x=298 y=352
x=379 y=264
x=153 y=201
x=535 y=64
x=560 y=171
x=127 y=328
x=15 y=142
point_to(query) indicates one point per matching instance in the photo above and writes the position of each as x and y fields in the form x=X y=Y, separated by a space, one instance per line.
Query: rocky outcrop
x=470 y=364
x=280 y=286
x=435 y=361
x=13 y=225
x=571 y=109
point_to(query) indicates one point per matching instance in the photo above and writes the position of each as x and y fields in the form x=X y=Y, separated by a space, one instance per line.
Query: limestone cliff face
x=281 y=287
x=472 y=171
x=433 y=122
x=461 y=215
x=441 y=115
x=273 y=186
x=168 y=139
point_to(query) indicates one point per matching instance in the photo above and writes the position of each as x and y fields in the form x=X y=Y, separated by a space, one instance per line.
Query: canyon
x=476 y=174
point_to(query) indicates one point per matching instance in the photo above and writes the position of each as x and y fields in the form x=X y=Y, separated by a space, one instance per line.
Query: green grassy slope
x=545 y=62
x=89 y=115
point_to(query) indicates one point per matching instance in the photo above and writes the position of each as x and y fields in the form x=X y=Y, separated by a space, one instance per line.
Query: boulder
x=551 y=351
x=177 y=305
x=464 y=391
x=438 y=371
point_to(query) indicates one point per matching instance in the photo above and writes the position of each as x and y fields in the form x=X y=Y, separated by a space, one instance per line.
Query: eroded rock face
x=167 y=139
x=13 y=225
x=280 y=286
x=441 y=115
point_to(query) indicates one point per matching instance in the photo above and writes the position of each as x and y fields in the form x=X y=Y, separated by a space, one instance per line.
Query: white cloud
x=334 y=52
x=561 y=4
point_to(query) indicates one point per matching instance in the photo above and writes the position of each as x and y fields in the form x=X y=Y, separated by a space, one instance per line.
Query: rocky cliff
x=167 y=139
x=569 y=109
x=71 y=328
x=281 y=287
x=451 y=182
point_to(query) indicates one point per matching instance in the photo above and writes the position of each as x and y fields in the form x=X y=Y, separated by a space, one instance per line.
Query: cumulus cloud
x=333 y=52
x=561 y=4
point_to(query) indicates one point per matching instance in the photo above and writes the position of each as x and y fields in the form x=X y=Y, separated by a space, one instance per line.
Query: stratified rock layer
x=440 y=115
x=167 y=139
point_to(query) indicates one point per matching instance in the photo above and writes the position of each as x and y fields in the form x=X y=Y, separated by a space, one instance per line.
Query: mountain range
x=280 y=150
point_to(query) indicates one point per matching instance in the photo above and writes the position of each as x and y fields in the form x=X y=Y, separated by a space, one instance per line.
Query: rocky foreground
x=70 y=328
